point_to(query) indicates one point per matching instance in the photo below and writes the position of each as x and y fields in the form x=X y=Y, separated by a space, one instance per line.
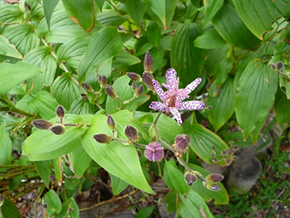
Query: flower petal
x=190 y=87
x=158 y=90
x=174 y=111
x=158 y=106
x=171 y=76
x=192 y=105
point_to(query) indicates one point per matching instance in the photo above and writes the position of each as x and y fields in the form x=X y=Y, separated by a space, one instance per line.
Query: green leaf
x=259 y=15
x=103 y=45
x=79 y=160
x=82 y=106
x=164 y=9
x=193 y=205
x=118 y=185
x=44 y=104
x=44 y=145
x=48 y=7
x=209 y=40
x=220 y=197
x=116 y=158
x=82 y=12
x=154 y=33
x=44 y=170
x=257 y=87
x=111 y=18
x=8 y=49
x=186 y=59
x=65 y=90
x=5 y=145
x=57 y=165
x=222 y=104
x=41 y=58
x=173 y=178
x=69 y=209
x=22 y=36
x=62 y=29
x=125 y=92
x=145 y=212
x=202 y=140
x=136 y=10
x=281 y=110
x=211 y=7
x=53 y=203
x=10 y=13
x=230 y=26
x=71 y=52
x=9 y=210
x=285 y=86
x=124 y=60
x=13 y=74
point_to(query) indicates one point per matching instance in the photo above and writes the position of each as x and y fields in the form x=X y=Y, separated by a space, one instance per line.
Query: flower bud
x=148 y=62
x=134 y=87
x=182 y=142
x=154 y=152
x=60 y=111
x=84 y=96
x=139 y=91
x=102 y=80
x=57 y=129
x=190 y=178
x=111 y=92
x=213 y=187
x=279 y=65
x=131 y=133
x=147 y=79
x=41 y=124
x=111 y=122
x=87 y=86
x=103 y=138
x=214 y=178
x=273 y=67
x=134 y=76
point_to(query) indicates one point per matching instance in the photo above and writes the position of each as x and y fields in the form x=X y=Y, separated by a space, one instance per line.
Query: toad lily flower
x=173 y=97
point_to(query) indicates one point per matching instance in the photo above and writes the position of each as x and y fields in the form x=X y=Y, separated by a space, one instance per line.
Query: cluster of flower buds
x=154 y=152
x=45 y=125
x=181 y=144
x=211 y=181
x=225 y=156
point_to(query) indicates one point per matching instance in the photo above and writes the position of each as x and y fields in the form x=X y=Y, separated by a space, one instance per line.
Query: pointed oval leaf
x=82 y=12
x=259 y=15
x=22 y=36
x=202 y=140
x=173 y=178
x=186 y=59
x=209 y=40
x=9 y=209
x=5 y=145
x=211 y=7
x=193 y=205
x=13 y=74
x=44 y=170
x=65 y=90
x=8 y=49
x=230 y=26
x=136 y=10
x=118 y=185
x=222 y=104
x=111 y=18
x=256 y=93
x=10 y=13
x=281 y=110
x=118 y=159
x=103 y=45
x=41 y=57
x=124 y=60
x=48 y=7
x=53 y=203
x=79 y=160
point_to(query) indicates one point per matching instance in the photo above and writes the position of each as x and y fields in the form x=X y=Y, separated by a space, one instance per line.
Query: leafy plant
x=78 y=85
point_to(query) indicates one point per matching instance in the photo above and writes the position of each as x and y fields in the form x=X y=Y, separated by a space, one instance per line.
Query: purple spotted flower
x=154 y=152
x=173 y=97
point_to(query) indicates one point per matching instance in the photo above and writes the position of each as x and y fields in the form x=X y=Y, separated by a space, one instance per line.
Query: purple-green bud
x=181 y=143
x=139 y=91
x=102 y=80
x=84 y=96
x=103 y=138
x=57 y=129
x=87 y=86
x=134 y=87
x=134 y=76
x=148 y=62
x=273 y=67
x=147 y=79
x=41 y=124
x=131 y=133
x=60 y=111
x=190 y=178
x=111 y=92
x=279 y=65
x=213 y=187
x=214 y=178
x=111 y=122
